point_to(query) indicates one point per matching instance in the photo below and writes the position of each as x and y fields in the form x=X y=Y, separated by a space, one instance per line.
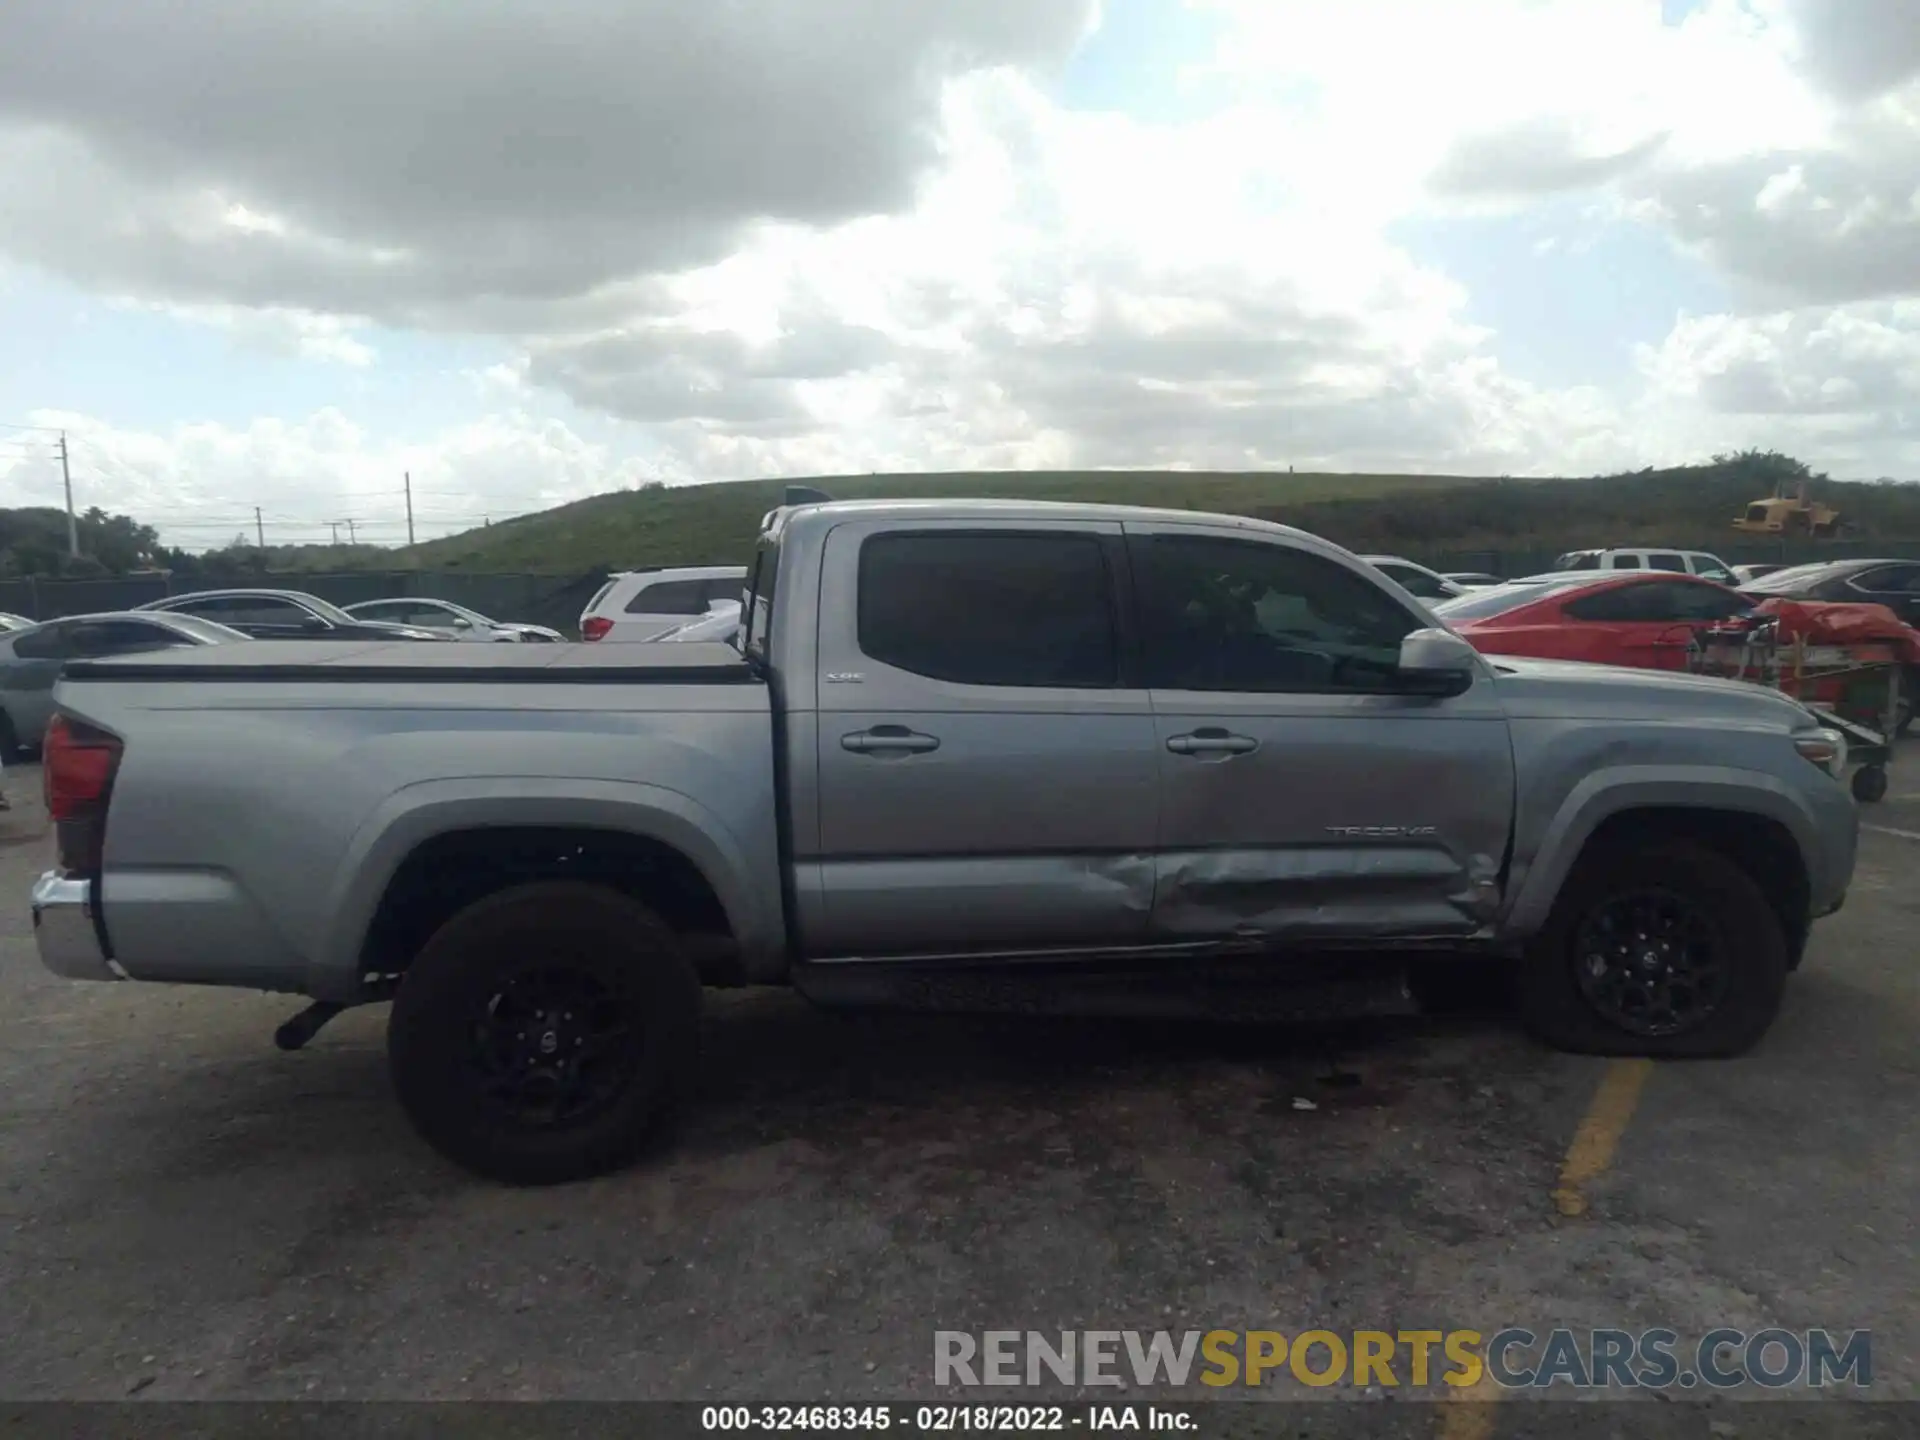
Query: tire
x=10 y=750
x=472 y=1082
x=1729 y=923
x=1869 y=784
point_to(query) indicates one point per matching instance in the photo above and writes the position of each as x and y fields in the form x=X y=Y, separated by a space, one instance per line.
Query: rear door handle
x=1212 y=740
x=889 y=740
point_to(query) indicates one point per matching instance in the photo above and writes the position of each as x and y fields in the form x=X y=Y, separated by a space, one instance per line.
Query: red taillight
x=595 y=627
x=77 y=765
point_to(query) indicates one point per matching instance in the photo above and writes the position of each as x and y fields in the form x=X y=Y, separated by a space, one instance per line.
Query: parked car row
x=444 y=617
x=33 y=653
x=1646 y=620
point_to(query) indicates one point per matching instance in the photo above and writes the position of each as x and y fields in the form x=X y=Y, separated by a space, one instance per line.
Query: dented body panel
x=847 y=812
x=1354 y=817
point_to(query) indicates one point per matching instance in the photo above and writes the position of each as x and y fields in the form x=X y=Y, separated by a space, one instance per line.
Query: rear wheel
x=1668 y=951
x=545 y=1032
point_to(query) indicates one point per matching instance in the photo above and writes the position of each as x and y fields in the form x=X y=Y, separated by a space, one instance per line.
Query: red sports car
x=1645 y=620
x=1649 y=621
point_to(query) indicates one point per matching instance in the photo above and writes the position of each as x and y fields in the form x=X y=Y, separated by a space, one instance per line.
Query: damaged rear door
x=987 y=780
x=1302 y=799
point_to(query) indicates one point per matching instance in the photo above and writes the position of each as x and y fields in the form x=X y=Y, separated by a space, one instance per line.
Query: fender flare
x=1606 y=793
x=417 y=813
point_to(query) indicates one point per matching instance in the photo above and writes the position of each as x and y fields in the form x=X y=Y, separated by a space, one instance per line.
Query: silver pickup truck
x=965 y=754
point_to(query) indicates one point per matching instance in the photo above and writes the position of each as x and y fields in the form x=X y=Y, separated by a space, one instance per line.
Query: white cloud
x=276 y=330
x=199 y=484
x=429 y=162
x=854 y=235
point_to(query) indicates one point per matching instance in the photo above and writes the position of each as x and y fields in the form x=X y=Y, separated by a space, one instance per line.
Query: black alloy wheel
x=1651 y=962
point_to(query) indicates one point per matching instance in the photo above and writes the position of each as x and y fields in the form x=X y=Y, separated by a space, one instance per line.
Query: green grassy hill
x=1455 y=521
x=711 y=524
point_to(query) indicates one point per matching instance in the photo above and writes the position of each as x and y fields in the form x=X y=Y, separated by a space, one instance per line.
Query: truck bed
x=575 y=663
x=270 y=791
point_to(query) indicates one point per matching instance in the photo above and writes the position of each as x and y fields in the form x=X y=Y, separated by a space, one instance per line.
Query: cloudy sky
x=527 y=250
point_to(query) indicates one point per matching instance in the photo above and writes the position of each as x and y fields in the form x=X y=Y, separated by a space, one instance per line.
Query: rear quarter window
x=671 y=597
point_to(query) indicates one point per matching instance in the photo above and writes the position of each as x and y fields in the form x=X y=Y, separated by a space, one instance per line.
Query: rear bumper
x=64 y=932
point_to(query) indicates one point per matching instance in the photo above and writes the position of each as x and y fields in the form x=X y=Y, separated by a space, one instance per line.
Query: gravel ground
x=186 y=1213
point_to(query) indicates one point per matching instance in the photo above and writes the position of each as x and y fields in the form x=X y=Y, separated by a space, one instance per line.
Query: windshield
x=462 y=611
x=1786 y=579
x=323 y=607
x=211 y=631
x=1500 y=599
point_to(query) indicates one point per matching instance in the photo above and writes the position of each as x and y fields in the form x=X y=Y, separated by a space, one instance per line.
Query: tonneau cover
x=575 y=663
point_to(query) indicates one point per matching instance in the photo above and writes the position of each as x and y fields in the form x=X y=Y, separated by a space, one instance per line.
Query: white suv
x=645 y=604
x=1678 y=562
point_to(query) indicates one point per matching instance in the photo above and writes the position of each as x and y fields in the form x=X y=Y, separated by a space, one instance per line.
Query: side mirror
x=1436 y=662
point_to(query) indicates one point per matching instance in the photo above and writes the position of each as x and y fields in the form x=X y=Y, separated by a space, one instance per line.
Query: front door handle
x=1212 y=740
x=889 y=740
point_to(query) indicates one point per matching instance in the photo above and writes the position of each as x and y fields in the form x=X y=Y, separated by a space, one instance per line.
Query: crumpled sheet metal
x=1355 y=890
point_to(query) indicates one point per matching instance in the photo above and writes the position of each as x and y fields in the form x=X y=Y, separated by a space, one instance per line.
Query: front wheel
x=1669 y=951
x=543 y=1033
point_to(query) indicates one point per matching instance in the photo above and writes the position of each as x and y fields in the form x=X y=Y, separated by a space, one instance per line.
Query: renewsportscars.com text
x=1511 y=1358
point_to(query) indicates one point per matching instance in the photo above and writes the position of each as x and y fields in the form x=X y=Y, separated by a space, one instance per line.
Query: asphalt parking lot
x=186 y=1213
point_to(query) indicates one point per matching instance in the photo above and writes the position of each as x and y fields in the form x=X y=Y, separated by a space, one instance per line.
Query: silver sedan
x=31 y=660
x=450 y=619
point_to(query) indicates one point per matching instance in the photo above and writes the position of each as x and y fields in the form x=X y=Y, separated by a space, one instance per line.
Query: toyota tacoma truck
x=961 y=754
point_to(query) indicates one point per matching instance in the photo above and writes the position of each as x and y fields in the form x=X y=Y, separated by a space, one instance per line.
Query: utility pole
x=335 y=526
x=409 y=478
x=259 y=529
x=66 y=478
x=351 y=538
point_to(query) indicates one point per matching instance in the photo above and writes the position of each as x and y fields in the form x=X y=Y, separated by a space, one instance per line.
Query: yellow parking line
x=1600 y=1130
x=1468 y=1415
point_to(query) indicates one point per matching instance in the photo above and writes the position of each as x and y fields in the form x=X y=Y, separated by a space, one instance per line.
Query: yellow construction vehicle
x=1789 y=514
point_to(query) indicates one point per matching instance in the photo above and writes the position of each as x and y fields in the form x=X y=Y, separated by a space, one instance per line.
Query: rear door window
x=49 y=642
x=1625 y=562
x=122 y=637
x=756 y=610
x=1605 y=606
x=1415 y=581
x=1667 y=560
x=1892 y=579
x=1001 y=609
x=670 y=597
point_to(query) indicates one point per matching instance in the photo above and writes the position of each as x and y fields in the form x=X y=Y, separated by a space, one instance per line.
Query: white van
x=645 y=604
x=1679 y=562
